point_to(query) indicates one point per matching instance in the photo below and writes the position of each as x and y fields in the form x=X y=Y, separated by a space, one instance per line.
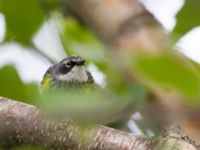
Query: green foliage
x=12 y=87
x=28 y=148
x=86 y=105
x=120 y=96
x=23 y=19
x=170 y=71
x=115 y=79
x=78 y=40
x=49 y=5
x=188 y=17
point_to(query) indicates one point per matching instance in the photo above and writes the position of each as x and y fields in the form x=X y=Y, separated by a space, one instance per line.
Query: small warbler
x=68 y=73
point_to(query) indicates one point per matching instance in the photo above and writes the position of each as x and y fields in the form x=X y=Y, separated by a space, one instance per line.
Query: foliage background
x=30 y=27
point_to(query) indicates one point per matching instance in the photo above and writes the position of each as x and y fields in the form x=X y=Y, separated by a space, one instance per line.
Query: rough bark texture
x=24 y=124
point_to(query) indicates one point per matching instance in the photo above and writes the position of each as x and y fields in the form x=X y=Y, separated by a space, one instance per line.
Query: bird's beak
x=80 y=63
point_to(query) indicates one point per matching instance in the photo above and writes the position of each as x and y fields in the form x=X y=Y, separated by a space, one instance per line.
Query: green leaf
x=78 y=40
x=30 y=147
x=75 y=31
x=188 y=17
x=23 y=18
x=12 y=87
x=168 y=71
x=95 y=103
x=49 y=5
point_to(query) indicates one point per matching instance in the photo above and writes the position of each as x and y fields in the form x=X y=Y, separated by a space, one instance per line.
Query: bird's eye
x=68 y=65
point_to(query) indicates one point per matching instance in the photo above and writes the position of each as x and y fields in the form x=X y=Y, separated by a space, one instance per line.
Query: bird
x=69 y=73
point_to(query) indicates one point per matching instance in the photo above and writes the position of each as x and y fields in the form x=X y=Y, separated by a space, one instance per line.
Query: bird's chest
x=57 y=84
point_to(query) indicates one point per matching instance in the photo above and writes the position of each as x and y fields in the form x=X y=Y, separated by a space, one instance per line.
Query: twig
x=41 y=53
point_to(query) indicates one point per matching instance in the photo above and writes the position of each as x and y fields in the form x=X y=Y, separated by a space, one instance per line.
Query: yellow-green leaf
x=188 y=17
x=170 y=71
x=12 y=87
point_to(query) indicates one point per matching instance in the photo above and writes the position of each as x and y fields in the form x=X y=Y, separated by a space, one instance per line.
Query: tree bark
x=120 y=24
x=25 y=124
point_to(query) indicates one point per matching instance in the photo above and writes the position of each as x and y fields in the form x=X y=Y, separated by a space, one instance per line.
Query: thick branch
x=121 y=24
x=24 y=124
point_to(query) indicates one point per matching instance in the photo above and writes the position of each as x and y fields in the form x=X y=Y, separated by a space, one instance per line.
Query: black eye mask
x=68 y=63
x=65 y=67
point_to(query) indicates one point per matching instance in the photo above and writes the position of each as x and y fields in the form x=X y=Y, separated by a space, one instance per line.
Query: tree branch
x=41 y=53
x=121 y=24
x=25 y=124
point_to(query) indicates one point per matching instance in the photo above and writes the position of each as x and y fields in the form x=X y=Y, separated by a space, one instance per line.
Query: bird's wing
x=90 y=78
x=47 y=78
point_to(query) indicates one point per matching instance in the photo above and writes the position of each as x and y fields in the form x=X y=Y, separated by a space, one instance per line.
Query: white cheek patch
x=78 y=73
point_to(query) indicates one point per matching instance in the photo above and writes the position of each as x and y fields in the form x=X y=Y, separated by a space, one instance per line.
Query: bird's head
x=71 y=69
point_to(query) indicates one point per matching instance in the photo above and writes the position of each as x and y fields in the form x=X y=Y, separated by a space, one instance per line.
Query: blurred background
x=47 y=39
x=34 y=35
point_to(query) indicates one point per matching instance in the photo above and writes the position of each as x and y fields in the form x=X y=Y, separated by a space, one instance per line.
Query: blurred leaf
x=30 y=147
x=23 y=19
x=195 y=65
x=75 y=31
x=115 y=79
x=171 y=72
x=188 y=17
x=12 y=87
x=49 y=5
x=95 y=105
x=78 y=40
